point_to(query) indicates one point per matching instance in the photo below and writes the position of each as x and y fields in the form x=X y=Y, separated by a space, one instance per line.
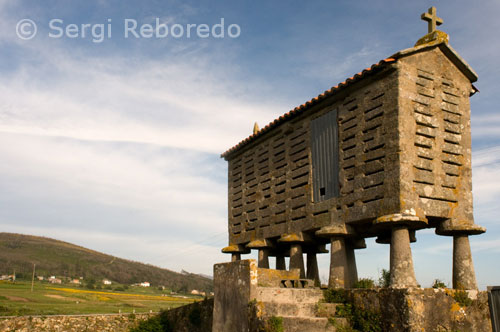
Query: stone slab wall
x=416 y=310
x=71 y=323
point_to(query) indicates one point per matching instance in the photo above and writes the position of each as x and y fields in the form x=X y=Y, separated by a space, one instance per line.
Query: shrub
x=462 y=298
x=385 y=278
x=195 y=315
x=364 y=283
x=334 y=295
x=274 y=324
x=119 y=289
x=438 y=284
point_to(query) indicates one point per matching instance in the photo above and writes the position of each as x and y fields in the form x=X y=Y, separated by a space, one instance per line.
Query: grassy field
x=16 y=299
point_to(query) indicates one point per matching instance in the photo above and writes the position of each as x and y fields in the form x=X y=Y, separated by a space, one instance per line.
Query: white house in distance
x=145 y=284
x=106 y=282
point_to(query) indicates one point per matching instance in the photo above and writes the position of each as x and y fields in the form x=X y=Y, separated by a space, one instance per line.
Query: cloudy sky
x=113 y=143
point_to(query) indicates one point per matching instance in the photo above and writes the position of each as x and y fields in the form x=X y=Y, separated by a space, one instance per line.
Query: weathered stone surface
x=72 y=323
x=417 y=309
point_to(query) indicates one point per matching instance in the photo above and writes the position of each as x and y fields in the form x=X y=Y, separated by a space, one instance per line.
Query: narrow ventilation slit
x=320 y=213
x=297 y=144
x=374 y=172
x=438 y=199
x=236 y=223
x=300 y=158
x=452 y=131
x=352 y=109
x=378 y=96
x=450 y=162
x=375 y=116
x=350 y=157
x=348 y=167
x=280 y=166
x=449 y=186
x=349 y=128
x=451 y=142
x=374 y=185
x=449 y=120
x=451 y=174
x=253 y=185
x=372 y=128
x=348 y=119
x=450 y=102
x=299 y=185
x=280 y=183
x=298 y=207
x=368 y=139
x=236 y=215
x=350 y=205
x=423 y=169
x=280 y=212
x=450 y=94
x=348 y=102
x=349 y=147
x=374 y=158
x=298 y=196
x=376 y=198
x=452 y=153
x=424 y=135
x=452 y=112
x=299 y=151
x=424 y=146
x=263 y=207
x=373 y=108
x=423 y=182
x=349 y=137
x=236 y=233
x=380 y=146
x=423 y=124
x=425 y=157
x=306 y=172
x=279 y=152
x=278 y=145
x=298 y=218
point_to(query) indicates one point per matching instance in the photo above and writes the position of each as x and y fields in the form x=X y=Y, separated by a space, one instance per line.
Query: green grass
x=17 y=299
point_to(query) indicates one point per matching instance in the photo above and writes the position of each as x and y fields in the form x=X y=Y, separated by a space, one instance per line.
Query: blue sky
x=115 y=145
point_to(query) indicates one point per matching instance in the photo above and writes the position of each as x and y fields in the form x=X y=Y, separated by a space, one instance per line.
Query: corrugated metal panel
x=325 y=156
x=494 y=301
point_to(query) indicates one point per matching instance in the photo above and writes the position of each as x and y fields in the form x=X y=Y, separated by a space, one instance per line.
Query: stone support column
x=263 y=258
x=339 y=270
x=463 y=268
x=235 y=257
x=280 y=262
x=297 y=259
x=401 y=261
x=351 y=264
x=312 y=268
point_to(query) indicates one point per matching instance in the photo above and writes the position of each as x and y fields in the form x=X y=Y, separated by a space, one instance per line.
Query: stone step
x=299 y=309
x=289 y=295
x=310 y=324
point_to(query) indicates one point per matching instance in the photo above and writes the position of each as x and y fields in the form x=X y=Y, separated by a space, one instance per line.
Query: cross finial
x=432 y=19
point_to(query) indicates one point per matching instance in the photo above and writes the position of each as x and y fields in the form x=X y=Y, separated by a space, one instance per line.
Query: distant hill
x=52 y=257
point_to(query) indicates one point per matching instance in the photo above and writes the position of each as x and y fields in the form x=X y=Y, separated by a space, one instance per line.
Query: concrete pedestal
x=402 y=271
x=263 y=258
x=297 y=259
x=464 y=276
x=235 y=257
x=312 y=268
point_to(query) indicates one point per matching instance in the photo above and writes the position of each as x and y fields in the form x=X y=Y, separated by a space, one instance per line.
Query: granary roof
x=375 y=68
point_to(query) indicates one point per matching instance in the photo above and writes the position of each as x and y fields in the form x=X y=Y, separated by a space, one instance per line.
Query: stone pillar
x=402 y=272
x=351 y=264
x=312 y=268
x=296 y=258
x=339 y=270
x=463 y=268
x=235 y=257
x=263 y=258
x=280 y=262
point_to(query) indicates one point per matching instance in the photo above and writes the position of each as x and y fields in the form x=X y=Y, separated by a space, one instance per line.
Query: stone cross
x=432 y=19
